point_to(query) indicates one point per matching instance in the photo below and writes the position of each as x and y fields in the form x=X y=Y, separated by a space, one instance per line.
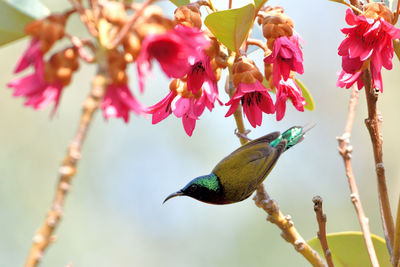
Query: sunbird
x=237 y=176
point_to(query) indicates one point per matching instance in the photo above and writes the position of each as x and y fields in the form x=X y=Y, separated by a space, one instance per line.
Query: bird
x=238 y=175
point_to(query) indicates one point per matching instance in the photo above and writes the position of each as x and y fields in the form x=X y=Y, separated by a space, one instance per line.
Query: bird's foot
x=242 y=135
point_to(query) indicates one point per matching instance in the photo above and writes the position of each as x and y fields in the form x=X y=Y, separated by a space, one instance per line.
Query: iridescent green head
x=205 y=188
x=293 y=136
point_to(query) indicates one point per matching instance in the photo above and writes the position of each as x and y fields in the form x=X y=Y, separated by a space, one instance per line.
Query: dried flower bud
x=132 y=46
x=48 y=30
x=114 y=12
x=378 y=10
x=268 y=68
x=188 y=15
x=61 y=66
x=245 y=71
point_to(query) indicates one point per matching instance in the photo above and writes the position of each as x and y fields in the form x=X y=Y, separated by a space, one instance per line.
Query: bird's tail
x=293 y=136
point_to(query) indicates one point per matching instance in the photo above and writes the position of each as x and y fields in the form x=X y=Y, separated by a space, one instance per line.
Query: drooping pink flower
x=185 y=104
x=286 y=56
x=255 y=100
x=31 y=55
x=173 y=50
x=288 y=89
x=369 y=40
x=119 y=101
x=34 y=87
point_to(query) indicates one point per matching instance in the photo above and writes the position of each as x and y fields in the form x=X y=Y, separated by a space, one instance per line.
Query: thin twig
x=80 y=44
x=285 y=223
x=321 y=219
x=258 y=43
x=44 y=235
x=83 y=13
x=396 y=246
x=128 y=25
x=373 y=123
x=345 y=150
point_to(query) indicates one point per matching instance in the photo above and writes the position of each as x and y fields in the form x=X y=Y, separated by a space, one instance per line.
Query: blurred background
x=114 y=214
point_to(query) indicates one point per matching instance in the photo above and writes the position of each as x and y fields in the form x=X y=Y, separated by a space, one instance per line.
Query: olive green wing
x=244 y=169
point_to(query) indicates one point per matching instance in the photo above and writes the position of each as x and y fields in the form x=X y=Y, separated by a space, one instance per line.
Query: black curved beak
x=176 y=194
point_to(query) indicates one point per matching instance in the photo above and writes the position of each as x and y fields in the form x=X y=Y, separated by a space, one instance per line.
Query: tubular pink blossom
x=173 y=50
x=37 y=91
x=119 y=101
x=286 y=56
x=288 y=89
x=31 y=55
x=369 y=40
x=255 y=100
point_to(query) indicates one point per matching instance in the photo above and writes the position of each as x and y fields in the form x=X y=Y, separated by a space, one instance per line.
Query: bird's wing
x=266 y=139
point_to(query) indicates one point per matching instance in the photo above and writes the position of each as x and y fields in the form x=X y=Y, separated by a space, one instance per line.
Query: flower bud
x=245 y=71
x=378 y=10
x=114 y=12
x=132 y=46
x=189 y=16
x=277 y=25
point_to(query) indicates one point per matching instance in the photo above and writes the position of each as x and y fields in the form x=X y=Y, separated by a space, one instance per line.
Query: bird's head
x=205 y=188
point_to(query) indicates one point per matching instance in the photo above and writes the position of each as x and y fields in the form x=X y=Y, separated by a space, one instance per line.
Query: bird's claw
x=242 y=135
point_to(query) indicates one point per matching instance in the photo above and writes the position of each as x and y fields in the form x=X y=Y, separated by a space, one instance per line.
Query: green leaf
x=259 y=3
x=179 y=3
x=348 y=249
x=15 y=14
x=232 y=26
x=307 y=95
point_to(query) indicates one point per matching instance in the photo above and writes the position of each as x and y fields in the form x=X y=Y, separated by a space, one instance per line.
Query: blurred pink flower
x=31 y=55
x=255 y=100
x=288 y=89
x=369 y=39
x=286 y=56
x=119 y=101
x=173 y=50
x=38 y=92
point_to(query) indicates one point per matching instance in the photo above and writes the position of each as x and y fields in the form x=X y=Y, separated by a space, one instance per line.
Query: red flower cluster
x=367 y=44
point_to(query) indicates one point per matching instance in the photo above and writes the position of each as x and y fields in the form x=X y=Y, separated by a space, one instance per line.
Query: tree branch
x=396 y=246
x=128 y=25
x=285 y=223
x=262 y=200
x=345 y=150
x=373 y=123
x=321 y=219
x=44 y=235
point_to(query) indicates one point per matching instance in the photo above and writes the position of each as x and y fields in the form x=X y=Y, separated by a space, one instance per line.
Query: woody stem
x=44 y=235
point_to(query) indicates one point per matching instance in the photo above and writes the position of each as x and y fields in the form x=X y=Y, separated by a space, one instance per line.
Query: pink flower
x=119 y=101
x=286 y=56
x=32 y=54
x=255 y=100
x=173 y=50
x=185 y=104
x=288 y=89
x=35 y=88
x=369 y=39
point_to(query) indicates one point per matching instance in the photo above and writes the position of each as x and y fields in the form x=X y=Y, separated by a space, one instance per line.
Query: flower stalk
x=262 y=199
x=345 y=150
x=373 y=124
x=44 y=235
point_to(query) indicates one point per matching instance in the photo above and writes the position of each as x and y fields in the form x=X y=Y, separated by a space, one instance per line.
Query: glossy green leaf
x=348 y=249
x=307 y=95
x=232 y=26
x=179 y=3
x=15 y=14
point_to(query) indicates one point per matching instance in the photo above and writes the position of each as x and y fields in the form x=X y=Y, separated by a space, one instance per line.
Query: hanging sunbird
x=237 y=176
